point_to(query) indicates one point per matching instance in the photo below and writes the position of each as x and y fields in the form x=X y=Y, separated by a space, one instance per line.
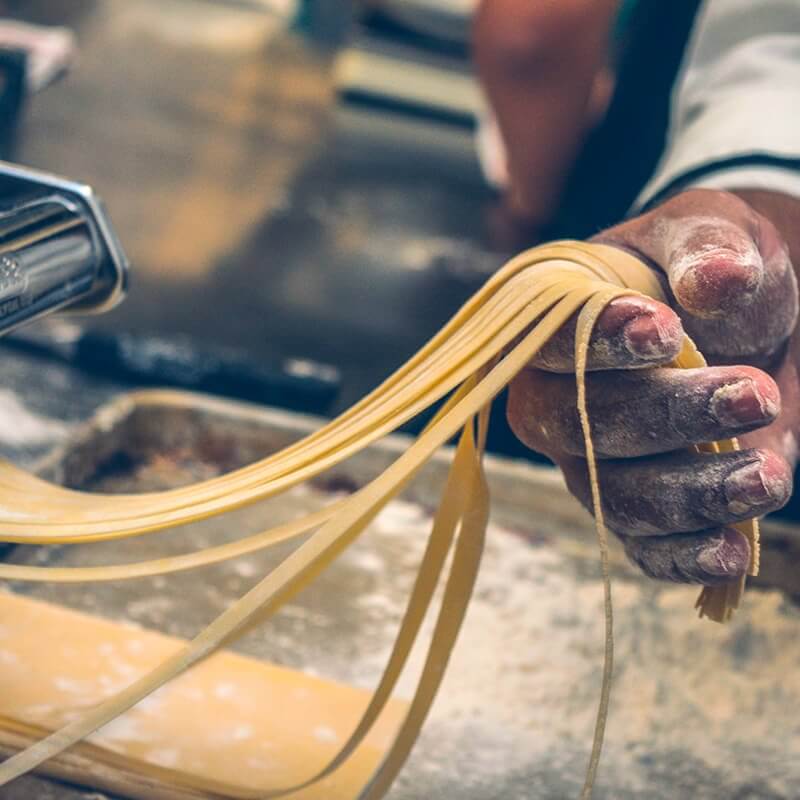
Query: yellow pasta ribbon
x=466 y=365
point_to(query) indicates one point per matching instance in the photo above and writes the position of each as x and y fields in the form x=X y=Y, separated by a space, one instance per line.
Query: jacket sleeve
x=735 y=120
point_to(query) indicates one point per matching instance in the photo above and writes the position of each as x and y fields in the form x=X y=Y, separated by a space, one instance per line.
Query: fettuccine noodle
x=467 y=363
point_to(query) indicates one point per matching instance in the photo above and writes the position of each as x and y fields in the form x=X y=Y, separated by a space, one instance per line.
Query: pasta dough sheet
x=231 y=720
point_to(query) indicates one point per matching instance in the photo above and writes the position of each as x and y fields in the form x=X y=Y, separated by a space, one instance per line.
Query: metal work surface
x=698 y=710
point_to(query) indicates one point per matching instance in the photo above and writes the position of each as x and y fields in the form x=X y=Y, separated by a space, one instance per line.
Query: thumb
x=713 y=264
x=727 y=268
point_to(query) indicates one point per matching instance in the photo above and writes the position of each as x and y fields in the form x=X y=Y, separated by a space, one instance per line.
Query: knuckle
x=711 y=202
x=655 y=560
x=526 y=413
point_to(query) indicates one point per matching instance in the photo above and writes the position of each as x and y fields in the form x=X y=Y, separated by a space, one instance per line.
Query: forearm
x=538 y=62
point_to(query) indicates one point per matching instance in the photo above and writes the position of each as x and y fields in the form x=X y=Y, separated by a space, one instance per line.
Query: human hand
x=728 y=274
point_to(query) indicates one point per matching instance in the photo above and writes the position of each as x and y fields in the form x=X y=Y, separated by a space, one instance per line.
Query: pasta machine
x=58 y=251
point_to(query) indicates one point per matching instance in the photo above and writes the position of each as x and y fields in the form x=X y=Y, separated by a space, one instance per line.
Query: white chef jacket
x=735 y=114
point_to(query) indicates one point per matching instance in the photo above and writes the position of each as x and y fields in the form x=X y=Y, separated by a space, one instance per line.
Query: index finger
x=631 y=333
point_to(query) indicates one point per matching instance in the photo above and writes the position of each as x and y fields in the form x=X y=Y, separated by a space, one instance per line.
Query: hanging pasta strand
x=464 y=366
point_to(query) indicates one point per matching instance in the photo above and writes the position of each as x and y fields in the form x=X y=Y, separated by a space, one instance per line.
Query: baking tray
x=699 y=709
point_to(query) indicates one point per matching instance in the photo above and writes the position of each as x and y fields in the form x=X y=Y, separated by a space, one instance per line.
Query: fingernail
x=741 y=403
x=645 y=338
x=746 y=488
x=728 y=556
x=711 y=280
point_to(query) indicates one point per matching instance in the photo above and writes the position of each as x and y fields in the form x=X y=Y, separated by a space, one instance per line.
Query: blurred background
x=296 y=183
x=307 y=189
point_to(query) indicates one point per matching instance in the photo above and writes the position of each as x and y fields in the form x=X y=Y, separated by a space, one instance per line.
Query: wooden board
x=233 y=719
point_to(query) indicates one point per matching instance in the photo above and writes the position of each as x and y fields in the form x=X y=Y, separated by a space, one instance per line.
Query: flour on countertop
x=21 y=427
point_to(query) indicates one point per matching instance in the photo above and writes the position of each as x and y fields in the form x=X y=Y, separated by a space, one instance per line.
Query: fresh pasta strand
x=469 y=362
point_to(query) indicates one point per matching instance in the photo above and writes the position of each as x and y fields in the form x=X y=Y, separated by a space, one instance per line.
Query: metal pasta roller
x=58 y=251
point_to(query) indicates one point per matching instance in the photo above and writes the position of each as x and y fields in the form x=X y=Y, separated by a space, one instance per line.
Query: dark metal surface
x=181 y=362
